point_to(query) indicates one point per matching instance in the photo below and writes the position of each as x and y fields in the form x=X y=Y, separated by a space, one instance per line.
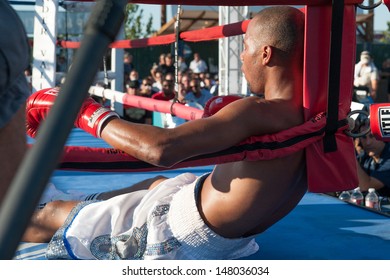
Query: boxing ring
x=320 y=227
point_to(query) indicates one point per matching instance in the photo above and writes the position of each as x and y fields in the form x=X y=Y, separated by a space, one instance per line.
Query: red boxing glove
x=91 y=117
x=380 y=121
x=216 y=103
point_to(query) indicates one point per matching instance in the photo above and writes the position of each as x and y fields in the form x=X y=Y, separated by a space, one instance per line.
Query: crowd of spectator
x=194 y=83
x=372 y=155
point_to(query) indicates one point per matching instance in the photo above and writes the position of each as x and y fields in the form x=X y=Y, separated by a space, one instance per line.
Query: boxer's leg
x=147 y=184
x=45 y=222
x=52 y=193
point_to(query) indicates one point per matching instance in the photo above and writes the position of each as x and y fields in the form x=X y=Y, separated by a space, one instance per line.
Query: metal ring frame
x=373 y=6
x=360 y=134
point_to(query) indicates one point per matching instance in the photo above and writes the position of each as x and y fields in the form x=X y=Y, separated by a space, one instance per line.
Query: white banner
x=171 y=270
x=44 y=50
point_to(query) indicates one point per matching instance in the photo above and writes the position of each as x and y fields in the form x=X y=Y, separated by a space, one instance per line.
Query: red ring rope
x=206 y=34
x=146 y=103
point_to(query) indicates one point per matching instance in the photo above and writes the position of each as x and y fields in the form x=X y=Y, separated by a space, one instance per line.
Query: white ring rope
x=177 y=38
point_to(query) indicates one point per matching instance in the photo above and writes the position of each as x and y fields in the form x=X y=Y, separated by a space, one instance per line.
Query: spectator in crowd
x=169 y=76
x=127 y=63
x=185 y=81
x=167 y=92
x=128 y=66
x=198 y=65
x=133 y=85
x=182 y=64
x=146 y=91
x=373 y=163
x=158 y=66
x=215 y=86
x=168 y=65
x=14 y=90
x=208 y=81
x=146 y=87
x=161 y=59
x=153 y=71
x=157 y=84
x=198 y=94
x=366 y=79
x=201 y=77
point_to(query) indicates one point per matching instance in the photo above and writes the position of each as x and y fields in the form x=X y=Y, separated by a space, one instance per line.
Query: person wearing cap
x=14 y=90
x=373 y=163
x=366 y=78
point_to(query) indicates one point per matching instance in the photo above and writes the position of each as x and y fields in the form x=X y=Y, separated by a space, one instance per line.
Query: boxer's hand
x=216 y=103
x=91 y=117
x=37 y=107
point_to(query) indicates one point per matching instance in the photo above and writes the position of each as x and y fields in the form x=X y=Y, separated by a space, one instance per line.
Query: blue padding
x=325 y=228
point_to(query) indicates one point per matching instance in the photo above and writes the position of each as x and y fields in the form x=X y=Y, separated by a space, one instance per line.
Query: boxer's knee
x=156 y=181
x=45 y=222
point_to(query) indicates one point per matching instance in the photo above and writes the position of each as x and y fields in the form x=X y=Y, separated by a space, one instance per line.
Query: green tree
x=386 y=35
x=134 y=29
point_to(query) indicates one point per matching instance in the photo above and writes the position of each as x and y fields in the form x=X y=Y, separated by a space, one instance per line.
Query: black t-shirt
x=379 y=170
x=164 y=69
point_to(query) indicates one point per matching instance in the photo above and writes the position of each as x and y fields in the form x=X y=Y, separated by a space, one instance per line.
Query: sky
x=382 y=14
x=381 y=17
